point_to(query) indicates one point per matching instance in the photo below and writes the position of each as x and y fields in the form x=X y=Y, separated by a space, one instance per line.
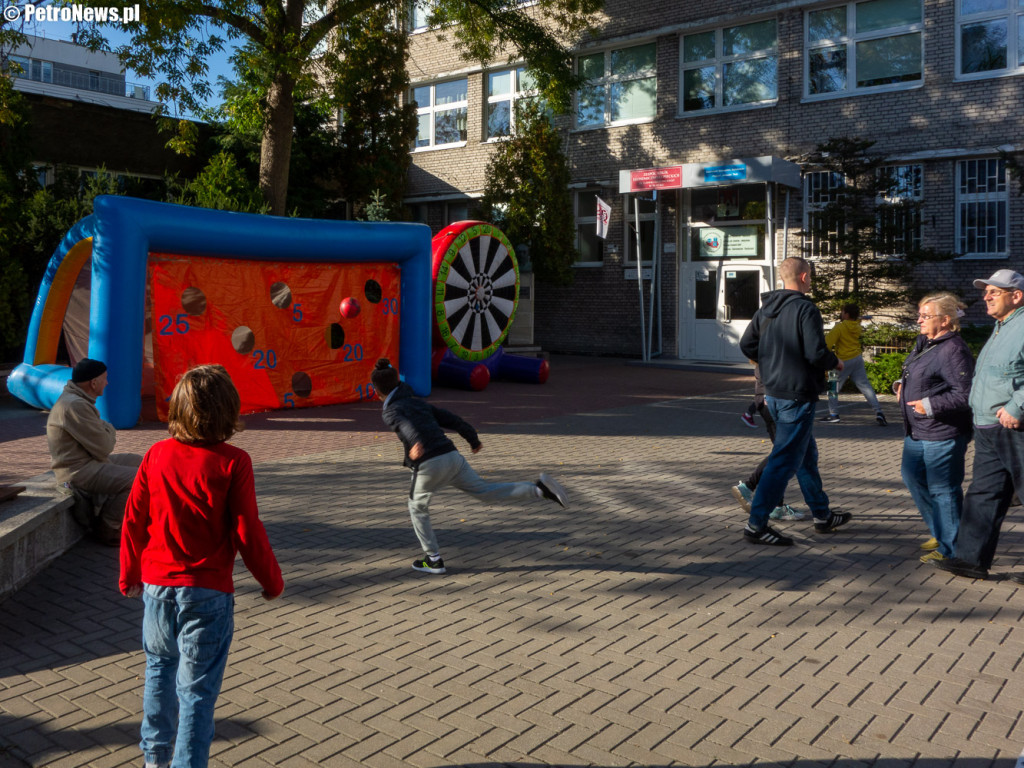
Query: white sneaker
x=786 y=512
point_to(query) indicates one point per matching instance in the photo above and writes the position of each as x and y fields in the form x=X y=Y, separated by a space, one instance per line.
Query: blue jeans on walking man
x=933 y=471
x=793 y=453
x=186 y=634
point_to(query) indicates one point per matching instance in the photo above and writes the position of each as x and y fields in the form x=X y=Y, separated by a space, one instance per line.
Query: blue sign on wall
x=736 y=172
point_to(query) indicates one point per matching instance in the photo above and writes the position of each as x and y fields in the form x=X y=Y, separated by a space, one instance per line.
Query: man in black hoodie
x=786 y=339
x=436 y=462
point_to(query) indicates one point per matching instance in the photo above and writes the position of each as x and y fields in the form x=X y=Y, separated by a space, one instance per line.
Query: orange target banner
x=277 y=327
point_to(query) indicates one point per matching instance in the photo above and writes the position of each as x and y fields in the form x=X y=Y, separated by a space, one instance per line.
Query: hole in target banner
x=291 y=334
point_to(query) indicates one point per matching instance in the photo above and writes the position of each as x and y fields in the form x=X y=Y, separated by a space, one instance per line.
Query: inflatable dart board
x=476 y=289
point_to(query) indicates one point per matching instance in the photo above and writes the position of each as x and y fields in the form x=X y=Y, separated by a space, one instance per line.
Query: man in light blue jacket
x=997 y=405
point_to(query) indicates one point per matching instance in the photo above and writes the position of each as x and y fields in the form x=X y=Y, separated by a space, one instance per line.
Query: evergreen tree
x=527 y=193
x=376 y=130
x=864 y=238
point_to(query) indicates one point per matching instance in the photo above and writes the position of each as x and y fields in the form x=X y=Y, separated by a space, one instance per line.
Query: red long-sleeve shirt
x=191 y=509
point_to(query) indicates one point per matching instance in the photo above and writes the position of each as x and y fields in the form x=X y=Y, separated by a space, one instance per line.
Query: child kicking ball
x=436 y=462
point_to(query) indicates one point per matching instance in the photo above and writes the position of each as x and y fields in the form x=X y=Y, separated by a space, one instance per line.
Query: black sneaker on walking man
x=786 y=338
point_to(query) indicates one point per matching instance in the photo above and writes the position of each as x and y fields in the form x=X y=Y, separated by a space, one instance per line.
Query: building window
x=872 y=44
x=589 y=247
x=457 y=211
x=418 y=13
x=982 y=207
x=648 y=213
x=441 y=111
x=504 y=90
x=821 y=239
x=899 y=217
x=990 y=39
x=730 y=67
x=622 y=86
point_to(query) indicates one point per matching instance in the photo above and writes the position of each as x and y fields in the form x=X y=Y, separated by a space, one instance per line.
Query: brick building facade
x=712 y=88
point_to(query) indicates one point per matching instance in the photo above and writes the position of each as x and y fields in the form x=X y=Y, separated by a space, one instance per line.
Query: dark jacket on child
x=938 y=371
x=417 y=421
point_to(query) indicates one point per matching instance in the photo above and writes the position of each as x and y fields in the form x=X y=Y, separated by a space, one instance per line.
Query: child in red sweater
x=191 y=509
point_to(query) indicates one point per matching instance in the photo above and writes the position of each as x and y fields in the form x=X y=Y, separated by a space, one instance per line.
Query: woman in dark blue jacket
x=933 y=396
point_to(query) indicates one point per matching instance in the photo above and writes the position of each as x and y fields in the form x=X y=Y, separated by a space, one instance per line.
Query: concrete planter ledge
x=36 y=527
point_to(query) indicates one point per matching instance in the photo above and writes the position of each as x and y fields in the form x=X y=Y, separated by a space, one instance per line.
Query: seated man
x=80 y=449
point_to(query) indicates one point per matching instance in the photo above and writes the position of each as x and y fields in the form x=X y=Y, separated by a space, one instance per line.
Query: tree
x=377 y=129
x=302 y=42
x=864 y=228
x=527 y=193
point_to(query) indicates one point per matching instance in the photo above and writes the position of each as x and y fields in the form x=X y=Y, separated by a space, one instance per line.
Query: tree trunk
x=276 y=148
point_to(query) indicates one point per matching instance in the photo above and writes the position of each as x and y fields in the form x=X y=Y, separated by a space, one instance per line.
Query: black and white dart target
x=476 y=288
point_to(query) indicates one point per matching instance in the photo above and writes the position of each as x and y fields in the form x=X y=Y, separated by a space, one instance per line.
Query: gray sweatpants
x=452 y=469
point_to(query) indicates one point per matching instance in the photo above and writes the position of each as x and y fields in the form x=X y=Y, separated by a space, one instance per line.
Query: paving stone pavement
x=635 y=628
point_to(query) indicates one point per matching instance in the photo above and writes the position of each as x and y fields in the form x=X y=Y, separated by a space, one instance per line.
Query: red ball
x=349 y=308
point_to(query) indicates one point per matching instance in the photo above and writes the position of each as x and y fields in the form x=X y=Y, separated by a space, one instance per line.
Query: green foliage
x=976 y=336
x=527 y=194
x=223 y=186
x=866 y=255
x=884 y=370
x=378 y=208
x=888 y=335
x=176 y=38
x=377 y=129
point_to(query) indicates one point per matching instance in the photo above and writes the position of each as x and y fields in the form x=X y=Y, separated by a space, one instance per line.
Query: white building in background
x=69 y=71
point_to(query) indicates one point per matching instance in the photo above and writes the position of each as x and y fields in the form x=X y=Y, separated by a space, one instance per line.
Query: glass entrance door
x=724 y=298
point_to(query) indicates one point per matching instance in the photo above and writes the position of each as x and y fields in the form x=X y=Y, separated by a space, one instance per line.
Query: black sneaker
x=552 y=489
x=959 y=567
x=833 y=521
x=831 y=418
x=880 y=419
x=768 y=536
x=429 y=565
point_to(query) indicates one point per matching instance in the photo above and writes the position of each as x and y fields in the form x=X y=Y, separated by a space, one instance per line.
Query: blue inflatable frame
x=121 y=233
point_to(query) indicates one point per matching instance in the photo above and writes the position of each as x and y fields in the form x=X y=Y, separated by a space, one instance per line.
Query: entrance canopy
x=747 y=170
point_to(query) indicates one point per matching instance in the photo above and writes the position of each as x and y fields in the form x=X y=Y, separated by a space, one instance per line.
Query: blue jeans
x=793 y=453
x=186 y=633
x=933 y=471
x=998 y=472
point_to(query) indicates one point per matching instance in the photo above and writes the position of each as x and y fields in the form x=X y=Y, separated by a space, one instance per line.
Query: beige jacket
x=80 y=441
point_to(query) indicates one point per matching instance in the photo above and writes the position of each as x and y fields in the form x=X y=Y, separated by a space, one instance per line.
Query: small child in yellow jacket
x=844 y=340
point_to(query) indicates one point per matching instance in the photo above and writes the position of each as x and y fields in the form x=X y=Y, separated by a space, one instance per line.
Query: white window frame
x=607 y=81
x=517 y=77
x=819 y=188
x=432 y=109
x=994 y=194
x=849 y=42
x=720 y=61
x=908 y=185
x=1012 y=13
x=587 y=221
x=417 y=11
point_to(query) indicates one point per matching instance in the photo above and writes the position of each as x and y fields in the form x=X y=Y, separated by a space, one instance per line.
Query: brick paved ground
x=633 y=629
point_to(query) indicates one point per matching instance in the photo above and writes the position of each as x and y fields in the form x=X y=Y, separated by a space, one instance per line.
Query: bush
x=888 y=335
x=884 y=370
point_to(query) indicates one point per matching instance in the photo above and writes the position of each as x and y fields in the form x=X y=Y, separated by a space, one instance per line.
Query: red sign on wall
x=656 y=178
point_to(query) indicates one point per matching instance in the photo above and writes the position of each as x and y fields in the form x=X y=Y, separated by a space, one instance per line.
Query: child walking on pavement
x=436 y=462
x=844 y=340
x=192 y=507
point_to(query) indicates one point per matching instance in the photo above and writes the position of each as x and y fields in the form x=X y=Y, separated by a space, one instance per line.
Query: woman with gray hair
x=933 y=393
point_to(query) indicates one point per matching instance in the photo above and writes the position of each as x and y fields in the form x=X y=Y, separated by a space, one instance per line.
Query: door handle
x=728 y=314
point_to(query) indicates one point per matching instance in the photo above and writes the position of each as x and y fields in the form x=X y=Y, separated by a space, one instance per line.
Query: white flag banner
x=604 y=214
